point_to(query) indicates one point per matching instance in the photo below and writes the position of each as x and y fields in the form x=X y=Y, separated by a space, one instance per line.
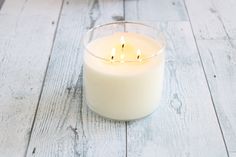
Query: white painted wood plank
x=185 y=123
x=213 y=19
x=219 y=59
x=155 y=10
x=64 y=126
x=232 y=154
x=26 y=36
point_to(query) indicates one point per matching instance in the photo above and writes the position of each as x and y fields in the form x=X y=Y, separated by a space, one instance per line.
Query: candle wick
x=113 y=52
x=123 y=45
x=138 y=54
x=122 y=40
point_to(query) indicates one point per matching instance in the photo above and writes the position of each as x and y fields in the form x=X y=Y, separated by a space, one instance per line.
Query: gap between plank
x=1 y=3
x=126 y=140
x=126 y=123
x=124 y=10
x=208 y=86
x=44 y=78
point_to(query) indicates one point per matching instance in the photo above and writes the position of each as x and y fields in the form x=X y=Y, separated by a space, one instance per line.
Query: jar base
x=120 y=119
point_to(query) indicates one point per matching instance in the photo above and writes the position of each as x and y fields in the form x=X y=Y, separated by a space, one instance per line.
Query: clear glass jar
x=123 y=69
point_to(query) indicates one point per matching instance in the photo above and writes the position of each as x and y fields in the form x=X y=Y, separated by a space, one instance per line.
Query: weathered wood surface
x=26 y=34
x=63 y=123
x=214 y=26
x=185 y=124
x=219 y=59
x=155 y=10
x=213 y=19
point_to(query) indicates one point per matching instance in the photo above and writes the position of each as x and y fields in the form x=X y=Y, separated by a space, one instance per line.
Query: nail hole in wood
x=33 y=152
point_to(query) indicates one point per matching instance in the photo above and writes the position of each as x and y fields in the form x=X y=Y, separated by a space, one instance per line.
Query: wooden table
x=42 y=110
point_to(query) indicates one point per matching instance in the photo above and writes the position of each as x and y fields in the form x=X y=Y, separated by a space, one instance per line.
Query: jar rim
x=159 y=34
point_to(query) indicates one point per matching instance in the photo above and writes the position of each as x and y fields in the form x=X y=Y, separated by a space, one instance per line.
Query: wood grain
x=26 y=36
x=215 y=28
x=64 y=126
x=155 y=10
x=1 y=3
x=213 y=19
x=185 y=123
x=219 y=60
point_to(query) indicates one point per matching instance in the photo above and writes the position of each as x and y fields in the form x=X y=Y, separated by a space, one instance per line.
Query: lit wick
x=122 y=56
x=113 y=52
x=123 y=45
x=122 y=41
x=138 y=54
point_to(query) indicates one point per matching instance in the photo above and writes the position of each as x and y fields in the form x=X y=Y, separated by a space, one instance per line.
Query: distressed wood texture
x=26 y=34
x=214 y=26
x=185 y=123
x=153 y=10
x=1 y=3
x=213 y=19
x=219 y=59
x=64 y=126
x=41 y=38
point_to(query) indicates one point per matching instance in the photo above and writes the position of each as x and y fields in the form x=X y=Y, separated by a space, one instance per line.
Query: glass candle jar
x=123 y=69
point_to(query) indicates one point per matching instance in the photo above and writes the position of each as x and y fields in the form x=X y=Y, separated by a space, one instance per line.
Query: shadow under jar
x=123 y=69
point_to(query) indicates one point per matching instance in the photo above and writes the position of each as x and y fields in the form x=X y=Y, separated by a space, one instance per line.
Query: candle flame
x=113 y=52
x=138 y=54
x=122 y=41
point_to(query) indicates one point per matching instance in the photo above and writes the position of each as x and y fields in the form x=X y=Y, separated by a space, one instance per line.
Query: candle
x=123 y=75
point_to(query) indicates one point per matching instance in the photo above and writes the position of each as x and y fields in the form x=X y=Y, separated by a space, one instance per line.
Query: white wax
x=123 y=91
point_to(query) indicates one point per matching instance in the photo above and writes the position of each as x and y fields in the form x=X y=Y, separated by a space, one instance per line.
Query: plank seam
x=1 y=3
x=126 y=139
x=44 y=79
x=124 y=9
x=126 y=123
x=208 y=86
